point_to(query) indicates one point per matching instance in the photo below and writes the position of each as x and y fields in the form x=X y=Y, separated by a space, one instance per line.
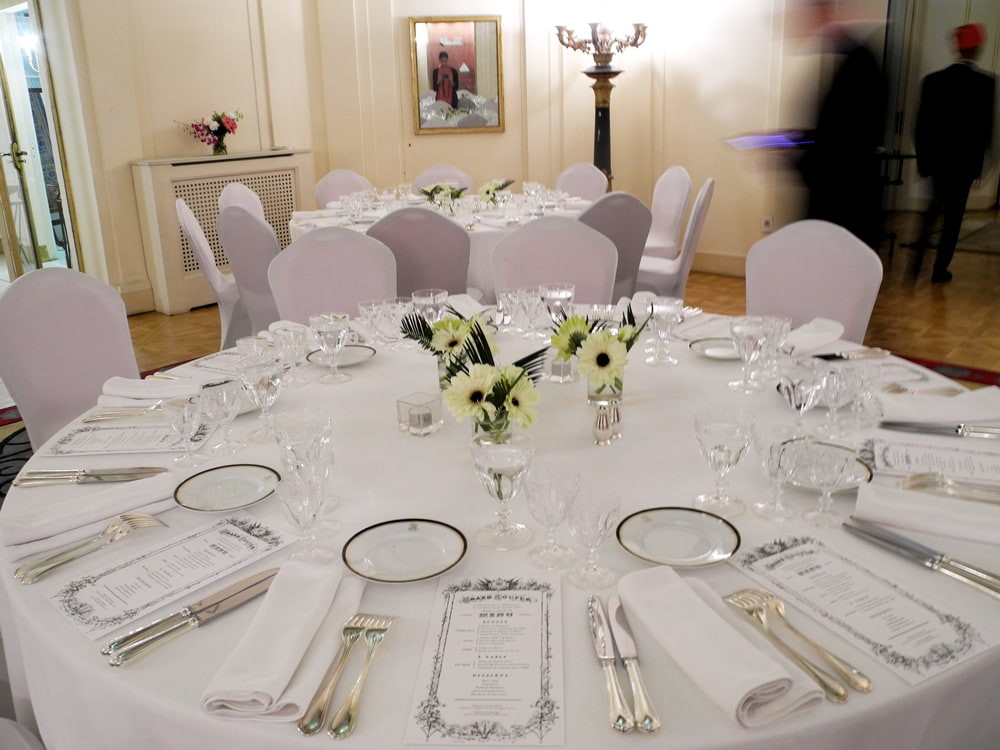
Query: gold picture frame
x=457 y=64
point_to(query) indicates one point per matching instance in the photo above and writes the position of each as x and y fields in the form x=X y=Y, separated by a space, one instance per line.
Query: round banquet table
x=80 y=702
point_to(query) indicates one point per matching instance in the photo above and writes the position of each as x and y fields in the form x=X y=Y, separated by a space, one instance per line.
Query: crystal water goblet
x=248 y=347
x=772 y=442
x=749 y=337
x=368 y=311
x=800 y=383
x=390 y=320
x=841 y=384
x=261 y=378
x=531 y=302
x=292 y=343
x=593 y=515
x=430 y=304
x=301 y=506
x=724 y=434
x=508 y=304
x=184 y=417
x=221 y=404
x=550 y=489
x=827 y=470
x=305 y=444
x=666 y=312
x=331 y=331
x=558 y=300
x=776 y=330
x=501 y=465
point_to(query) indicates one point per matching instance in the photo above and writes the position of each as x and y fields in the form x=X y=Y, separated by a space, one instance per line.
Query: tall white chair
x=338 y=183
x=62 y=334
x=670 y=200
x=14 y=736
x=443 y=173
x=583 y=181
x=233 y=319
x=331 y=269
x=668 y=276
x=557 y=248
x=624 y=220
x=251 y=245
x=431 y=251
x=811 y=269
x=238 y=194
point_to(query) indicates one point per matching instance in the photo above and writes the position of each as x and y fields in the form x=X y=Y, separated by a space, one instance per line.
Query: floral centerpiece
x=214 y=130
x=488 y=190
x=601 y=347
x=432 y=192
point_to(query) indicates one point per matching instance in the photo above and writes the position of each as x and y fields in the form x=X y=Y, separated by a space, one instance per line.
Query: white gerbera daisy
x=571 y=334
x=603 y=358
x=467 y=394
x=521 y=401
x=449 y=335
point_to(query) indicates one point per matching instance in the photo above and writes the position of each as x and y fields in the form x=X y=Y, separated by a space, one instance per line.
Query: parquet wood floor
x=954 y=322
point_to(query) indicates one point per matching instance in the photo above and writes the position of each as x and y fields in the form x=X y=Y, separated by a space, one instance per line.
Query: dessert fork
x=344 y=719
x=117 y=527
x=942 y=485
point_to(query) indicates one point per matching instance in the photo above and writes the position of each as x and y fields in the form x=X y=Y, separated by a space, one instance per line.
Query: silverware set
x=941 y=485
x=45 y=477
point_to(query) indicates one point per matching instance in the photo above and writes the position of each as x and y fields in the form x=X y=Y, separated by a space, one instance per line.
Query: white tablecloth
x=153 y=703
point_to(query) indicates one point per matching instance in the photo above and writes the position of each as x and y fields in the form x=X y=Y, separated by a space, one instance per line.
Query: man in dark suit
x=954 y=130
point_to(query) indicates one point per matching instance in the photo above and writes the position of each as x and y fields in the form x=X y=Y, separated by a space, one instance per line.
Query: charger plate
x=350 y=355
x=678 y=537
x=715 y=348
x=227 y=487
x=403 y=550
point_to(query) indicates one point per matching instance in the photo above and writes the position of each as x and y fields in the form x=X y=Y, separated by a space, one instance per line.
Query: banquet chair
x=233 y=319
x=251 y=245
x=14 y=736
x=583 y=181
x=670 y=200
x=238 y=194
x=431 y=251
x=62 y=334
x=668 y=277
x=557 y=248
x=338 y=183
x=331 y=269
x=811 y=269
x=442 y=173
x=624 y=220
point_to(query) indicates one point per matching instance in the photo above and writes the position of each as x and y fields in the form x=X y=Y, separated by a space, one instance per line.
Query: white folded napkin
x=28 y=529
x=980 y=404
x=732 y=664
x=885 y=503
x=465 y=305
x=154 y=388
x=813 y=335
x=279 y=662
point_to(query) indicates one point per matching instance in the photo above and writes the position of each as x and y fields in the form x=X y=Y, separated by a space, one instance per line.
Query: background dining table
x=382 y=473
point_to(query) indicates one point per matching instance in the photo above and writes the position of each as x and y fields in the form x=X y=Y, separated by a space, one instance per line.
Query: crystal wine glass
x=501 y=465
x=826 y=466
x=292 y=343
x=724 y=434
x=531 y=301
x=507 y=307
x=430 y=303
x=667 y=313
x=261 y=378
x=841 y=384
x=331 y=331
x=776 y=330
x=550 y=489
x=749 y=337
x=305 y=443
x=558 y=300
x=800 y=383
x=221 y=404
x=592 y=518
x=184 y=416
x=301 y=504
x=772 y=442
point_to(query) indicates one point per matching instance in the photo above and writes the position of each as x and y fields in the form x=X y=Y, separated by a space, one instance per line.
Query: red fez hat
x=970 y=36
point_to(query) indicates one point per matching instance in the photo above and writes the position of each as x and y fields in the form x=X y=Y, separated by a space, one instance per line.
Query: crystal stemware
x=430 y=303
x=293 y=343
x=827 y=470
x=184 y=416
x=558 y=300
x=592 y=518
x=800 y=383
x=749 y=334
x=724 y=434
x=666 y=312
x=508 y=304
x=331 y=331
x=501 y=465
x=261 y=379
x=221 y=404
x=302 y=504
x=550 y=489
x=776 y=330
x=531 y=302
x=772 y=442
x=841 y=384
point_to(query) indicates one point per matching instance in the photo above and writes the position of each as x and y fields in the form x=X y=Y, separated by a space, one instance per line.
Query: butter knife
x=978 y=578
x=137 y=642
x=937 y=428
x=646 y=719
x=618 y=711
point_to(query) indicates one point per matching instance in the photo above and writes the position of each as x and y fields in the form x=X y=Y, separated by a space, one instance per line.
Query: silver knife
x=618 y=712
x=646 y=719
x=41 y=477
x=983 y=580
x=868 y=353
x=937 y=428
x=138 y=641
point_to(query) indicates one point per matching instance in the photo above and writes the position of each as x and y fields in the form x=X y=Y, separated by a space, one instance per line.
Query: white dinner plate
x=859 y=471
x=678 y=537
x=227 y=487
x=406 y=549
x=715 y=348
x=350 y=355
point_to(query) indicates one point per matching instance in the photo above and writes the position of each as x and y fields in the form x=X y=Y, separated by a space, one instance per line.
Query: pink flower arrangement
x=213 y=130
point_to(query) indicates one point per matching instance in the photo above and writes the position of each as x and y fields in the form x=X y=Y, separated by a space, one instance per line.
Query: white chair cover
x=331 y=269
x=238 y=194
x=431 y=251
x=814 y=269
x=584 y=181
x=670 y=200
x=624 y=220
x=557 y=248
x=234 y=322
x=443 y=173
x=338 y=183
x=14 y=736
x=251 y=245
x=668 y=277
x=62 y=334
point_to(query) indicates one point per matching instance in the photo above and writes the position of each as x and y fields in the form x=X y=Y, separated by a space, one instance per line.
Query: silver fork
x=833 y=689
x=315 y=714
x=853 y=676
x=344 y=719
x=942 y=485
x=122 y=412
x=117 y=527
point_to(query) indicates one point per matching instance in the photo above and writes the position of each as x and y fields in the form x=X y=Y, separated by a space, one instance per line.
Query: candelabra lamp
x=602 y=44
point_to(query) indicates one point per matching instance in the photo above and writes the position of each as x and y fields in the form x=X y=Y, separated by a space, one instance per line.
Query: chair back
x=14 y=736
x=442 y=173
x=338 y=183
x=251 y=245
x=62 y=334
x=557 y=248
x=331 y=269
x=238 y=194
x=431 y=251
x=670 y=200
x=692 y=233
x=583 y=181
x=624 y=220
x=811 y=269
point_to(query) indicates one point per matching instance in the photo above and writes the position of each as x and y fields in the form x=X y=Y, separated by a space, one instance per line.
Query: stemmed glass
x=221 y=404
x=292 y=343
x=531 y=301
x=331 y=331
x=261 y=378
x=774 y=445
x=184 y=416
x=551 y=489
x=558 y=300
x=776 y=330
x=301 y=505
x=724 y=434
x=508 y=304
x=501 y=465
x=389 y=320
x=749 y=337
x=827 y=470
x=800 y=383
x=841 y=384
x=592 y=518
x=667 y=313
x=430 y=303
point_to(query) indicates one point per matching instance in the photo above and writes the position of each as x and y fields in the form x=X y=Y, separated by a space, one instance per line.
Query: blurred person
x=445 y=81
x=953 y=132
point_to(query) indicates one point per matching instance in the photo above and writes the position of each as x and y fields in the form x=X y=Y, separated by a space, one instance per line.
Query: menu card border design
x=59 y=447
x=546 y=710
x=940 y=654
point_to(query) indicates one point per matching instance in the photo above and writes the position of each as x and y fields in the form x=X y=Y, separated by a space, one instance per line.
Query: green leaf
x=416 y=328
x=533 y=364
x=477 y=347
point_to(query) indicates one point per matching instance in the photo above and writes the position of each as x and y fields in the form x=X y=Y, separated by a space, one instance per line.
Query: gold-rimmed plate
x=350 y=355
x=404 y=550
x=228 y=487
x=678 y=537
x=715 y=348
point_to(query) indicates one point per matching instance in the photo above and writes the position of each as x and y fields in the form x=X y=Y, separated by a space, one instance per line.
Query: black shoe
x=941 y=277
